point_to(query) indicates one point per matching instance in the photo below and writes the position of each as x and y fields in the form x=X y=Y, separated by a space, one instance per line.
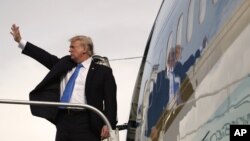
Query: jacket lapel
x=90 y=75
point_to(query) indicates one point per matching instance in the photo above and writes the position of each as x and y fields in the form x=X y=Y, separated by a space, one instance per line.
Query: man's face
x=178 y=53
x=77 y=50
x=171 y=58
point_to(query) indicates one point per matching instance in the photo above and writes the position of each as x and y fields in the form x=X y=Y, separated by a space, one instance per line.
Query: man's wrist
x=22 y=44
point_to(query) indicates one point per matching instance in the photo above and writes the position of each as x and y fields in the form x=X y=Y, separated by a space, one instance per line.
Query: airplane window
x=202 y=10
x=190 y=20
x=179 y=31
x=215 y=1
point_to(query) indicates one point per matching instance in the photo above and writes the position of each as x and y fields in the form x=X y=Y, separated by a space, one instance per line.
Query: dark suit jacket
x=100 y=87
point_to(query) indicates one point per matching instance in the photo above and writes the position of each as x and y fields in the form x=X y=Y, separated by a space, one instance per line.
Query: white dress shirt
x=78 y=95
x=170 y=75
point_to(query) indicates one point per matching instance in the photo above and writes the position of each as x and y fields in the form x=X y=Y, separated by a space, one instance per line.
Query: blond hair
x=86 y=42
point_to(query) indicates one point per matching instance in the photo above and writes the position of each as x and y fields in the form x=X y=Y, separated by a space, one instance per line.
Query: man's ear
x=85 y=50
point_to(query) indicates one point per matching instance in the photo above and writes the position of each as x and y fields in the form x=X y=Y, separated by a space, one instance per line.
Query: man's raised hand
x=16 y=33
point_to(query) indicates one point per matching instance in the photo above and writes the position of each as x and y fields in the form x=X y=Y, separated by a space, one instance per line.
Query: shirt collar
x=170 y=69
x=87 y=62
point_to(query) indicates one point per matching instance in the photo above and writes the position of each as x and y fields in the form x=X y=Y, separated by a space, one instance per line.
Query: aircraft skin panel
x=194 y=88
x=230 y=100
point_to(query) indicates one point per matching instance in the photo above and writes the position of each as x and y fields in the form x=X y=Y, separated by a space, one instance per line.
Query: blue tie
x=70 y=85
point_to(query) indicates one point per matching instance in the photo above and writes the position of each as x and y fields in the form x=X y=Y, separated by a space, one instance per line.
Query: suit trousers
x=73 y=125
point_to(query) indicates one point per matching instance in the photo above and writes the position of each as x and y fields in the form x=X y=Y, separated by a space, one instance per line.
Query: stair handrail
x=46 y=103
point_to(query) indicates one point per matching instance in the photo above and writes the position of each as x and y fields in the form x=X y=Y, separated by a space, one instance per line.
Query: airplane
x=193 y=81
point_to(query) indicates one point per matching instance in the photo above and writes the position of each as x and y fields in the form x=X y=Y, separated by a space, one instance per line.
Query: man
x=75 y=79
x=171 y=76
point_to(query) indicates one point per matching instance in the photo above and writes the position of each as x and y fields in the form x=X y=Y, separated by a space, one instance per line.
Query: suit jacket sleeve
x=40 y=55
x=110 y=98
